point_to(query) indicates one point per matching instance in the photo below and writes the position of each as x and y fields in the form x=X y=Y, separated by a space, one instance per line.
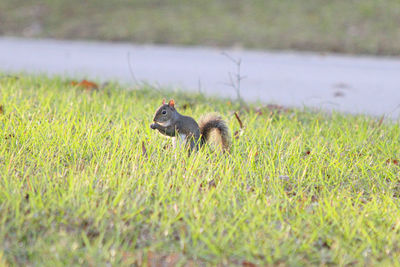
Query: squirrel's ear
x=163 y=101
x=171 y=103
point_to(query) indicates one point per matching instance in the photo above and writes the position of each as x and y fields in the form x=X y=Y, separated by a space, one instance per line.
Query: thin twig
x=381 y=120
x=199 y=86
x=239 y=120
x=144 y=150
x=236 y=78
x=135 y=81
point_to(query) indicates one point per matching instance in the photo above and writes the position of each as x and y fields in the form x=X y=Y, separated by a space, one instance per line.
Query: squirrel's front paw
x=153 y=126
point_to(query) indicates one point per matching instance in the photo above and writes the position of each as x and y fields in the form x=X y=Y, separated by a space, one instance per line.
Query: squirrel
x=169 y=122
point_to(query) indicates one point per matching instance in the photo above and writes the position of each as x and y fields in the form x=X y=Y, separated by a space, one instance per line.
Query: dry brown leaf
x=156 y=259
x=393 y=161
x=88 y=85
x=248 y=264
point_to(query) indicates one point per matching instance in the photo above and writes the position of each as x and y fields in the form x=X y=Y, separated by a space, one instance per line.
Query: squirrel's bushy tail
x=210 y=122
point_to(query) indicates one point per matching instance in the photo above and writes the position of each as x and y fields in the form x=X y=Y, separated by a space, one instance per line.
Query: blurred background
x=344 y=26
x=351 y=62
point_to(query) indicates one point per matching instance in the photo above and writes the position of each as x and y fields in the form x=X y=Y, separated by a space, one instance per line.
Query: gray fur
x=172 y=123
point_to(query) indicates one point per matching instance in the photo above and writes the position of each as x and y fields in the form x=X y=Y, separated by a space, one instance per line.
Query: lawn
x=347 y=26
x=85 y=181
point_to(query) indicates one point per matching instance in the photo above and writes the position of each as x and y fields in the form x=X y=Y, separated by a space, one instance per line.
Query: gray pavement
x=368 y=85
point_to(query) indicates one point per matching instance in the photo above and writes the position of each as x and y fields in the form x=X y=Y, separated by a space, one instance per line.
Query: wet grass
x=347 y=26
x=84 y=181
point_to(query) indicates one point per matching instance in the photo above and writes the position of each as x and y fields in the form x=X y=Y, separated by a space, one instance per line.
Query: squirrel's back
x=212 y=121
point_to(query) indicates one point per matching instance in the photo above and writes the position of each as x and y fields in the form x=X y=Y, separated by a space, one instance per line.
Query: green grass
x=298 y=187
x=347 y=26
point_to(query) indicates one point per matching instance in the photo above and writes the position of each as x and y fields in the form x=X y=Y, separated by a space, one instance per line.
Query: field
x=85 y=181
x=346 y=26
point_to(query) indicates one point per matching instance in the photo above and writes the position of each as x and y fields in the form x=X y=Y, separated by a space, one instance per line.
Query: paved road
x=350 y=84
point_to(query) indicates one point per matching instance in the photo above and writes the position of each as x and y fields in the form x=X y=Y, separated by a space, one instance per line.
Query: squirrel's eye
x=164 y=112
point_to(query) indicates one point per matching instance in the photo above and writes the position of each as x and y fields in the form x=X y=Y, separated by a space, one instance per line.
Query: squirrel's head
x=165 y=113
